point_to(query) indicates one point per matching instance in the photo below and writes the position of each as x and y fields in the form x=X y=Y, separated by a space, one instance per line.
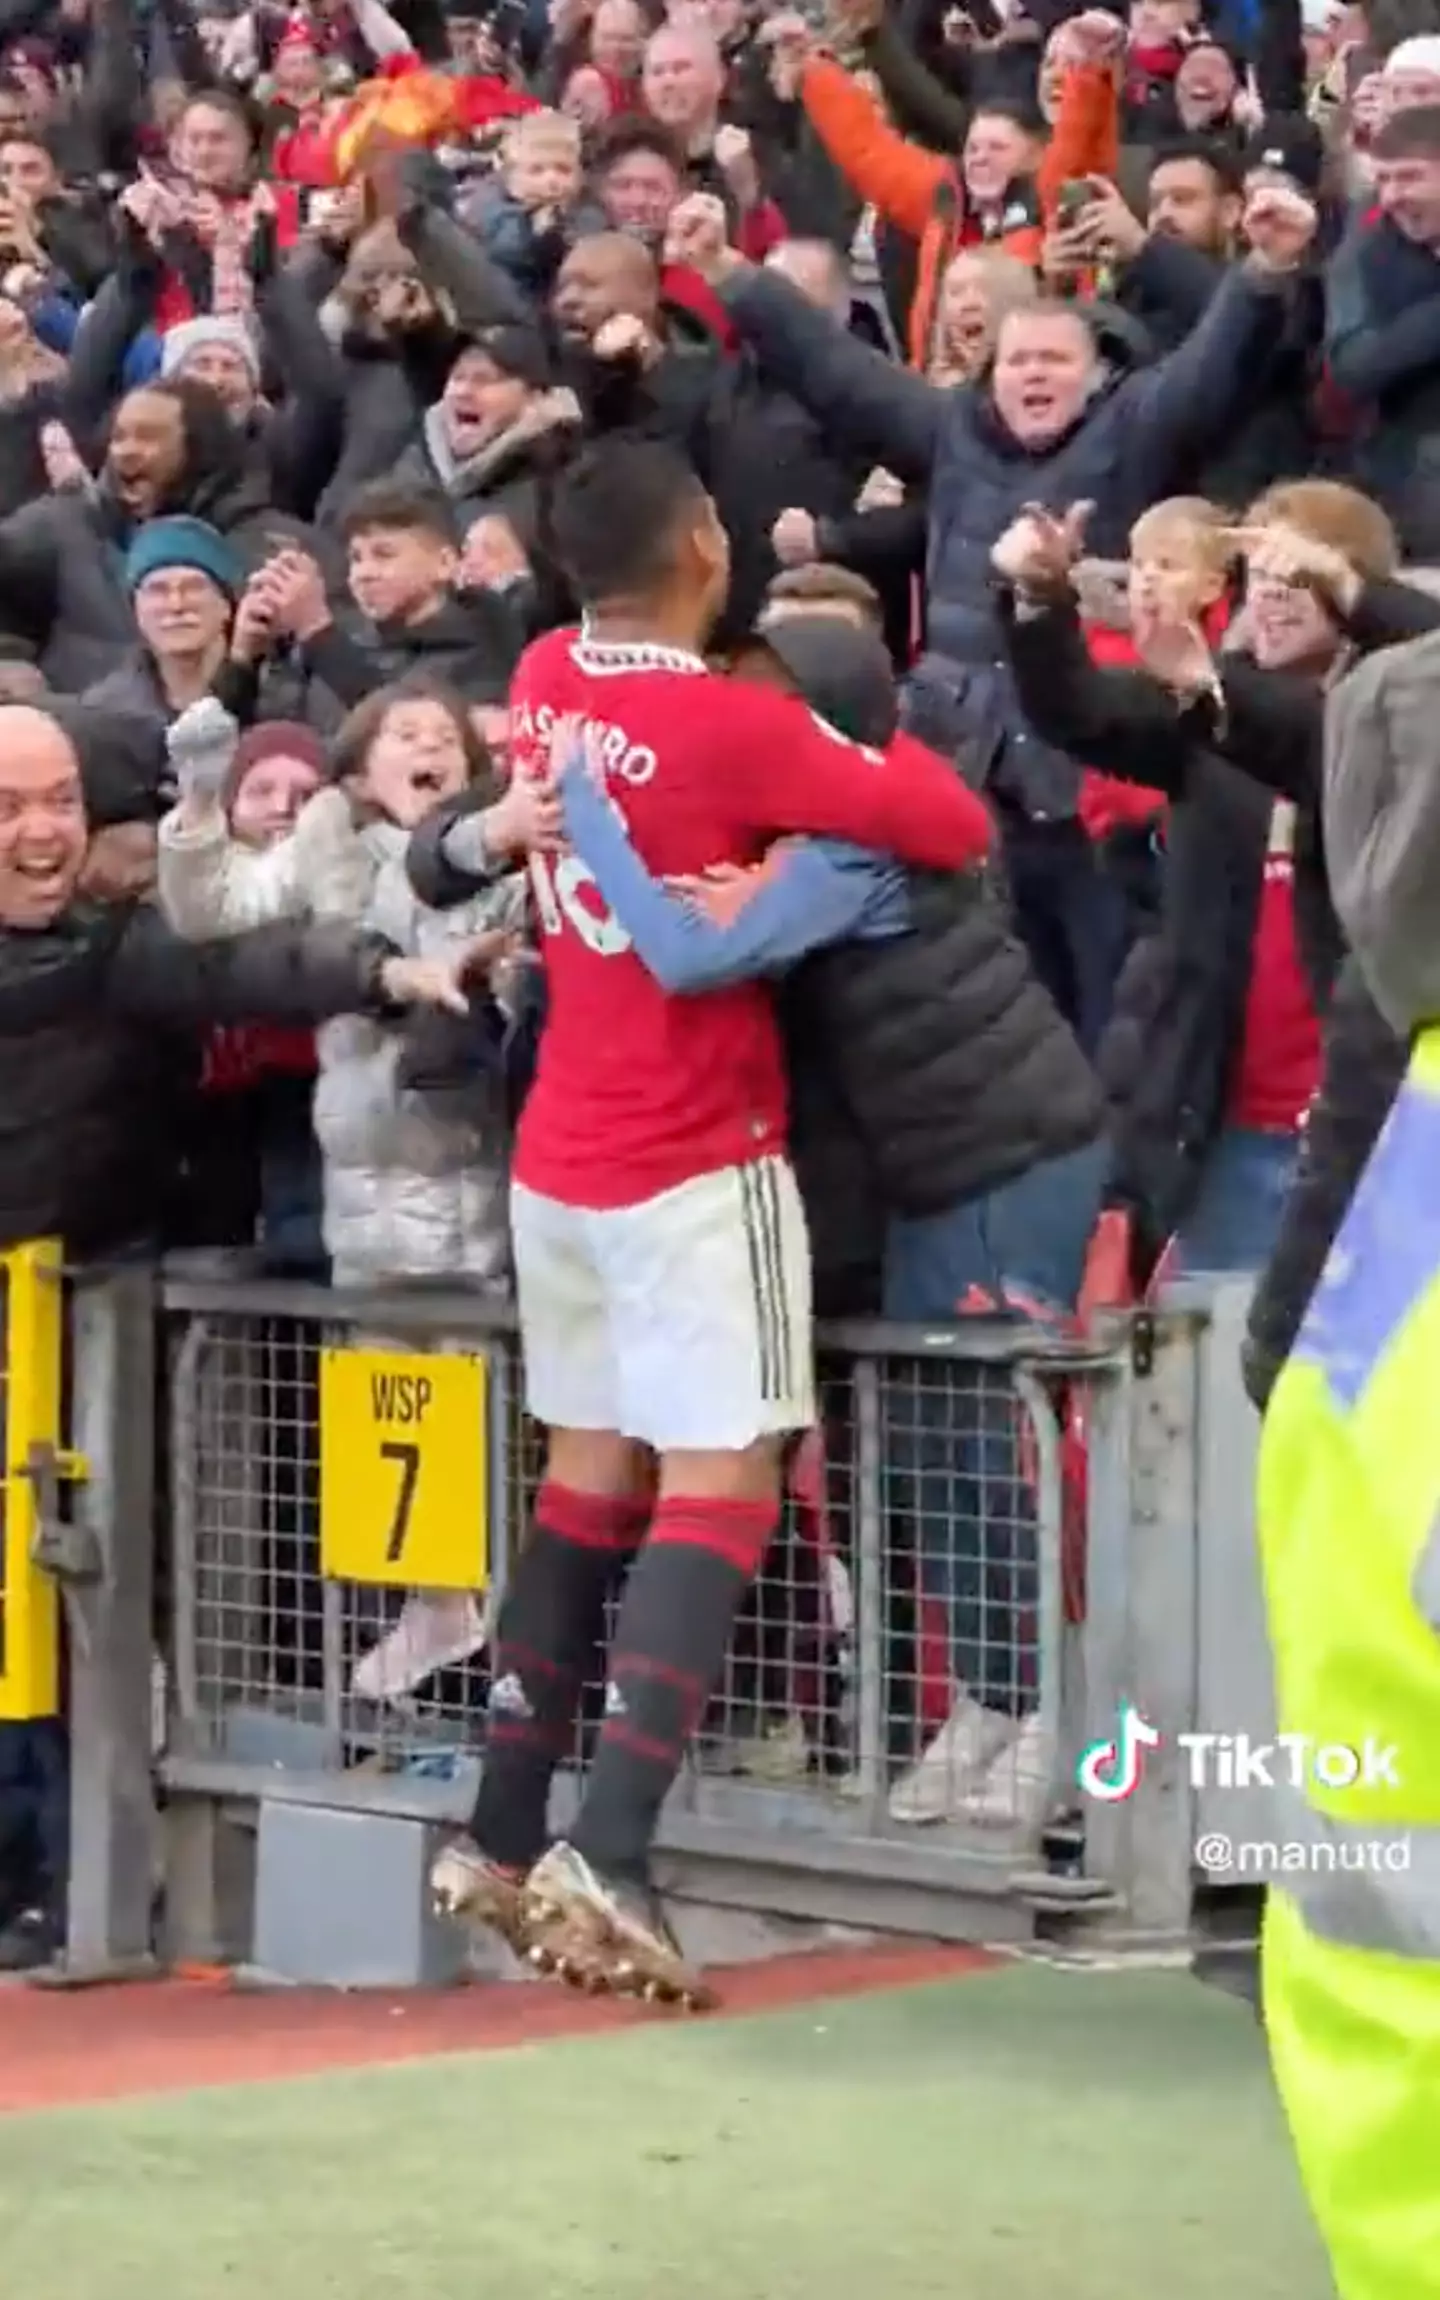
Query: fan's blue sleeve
x=814 y=893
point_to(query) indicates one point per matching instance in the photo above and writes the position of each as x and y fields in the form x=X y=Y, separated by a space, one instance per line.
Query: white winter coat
x=416 y=1185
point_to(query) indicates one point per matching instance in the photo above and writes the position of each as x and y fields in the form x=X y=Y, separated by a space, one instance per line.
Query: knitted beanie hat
x=190 y=335
x=272 y=739
x=181 y=541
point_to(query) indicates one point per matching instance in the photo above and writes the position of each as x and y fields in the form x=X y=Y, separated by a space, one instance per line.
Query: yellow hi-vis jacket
x=1350 y=1538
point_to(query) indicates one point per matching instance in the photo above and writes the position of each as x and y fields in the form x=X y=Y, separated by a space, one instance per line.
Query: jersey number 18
x=566 y=890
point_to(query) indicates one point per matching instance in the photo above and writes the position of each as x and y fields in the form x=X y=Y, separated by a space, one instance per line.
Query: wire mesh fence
x=896 y=1667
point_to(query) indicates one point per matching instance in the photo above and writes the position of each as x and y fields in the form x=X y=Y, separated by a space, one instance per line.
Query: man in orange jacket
x=1006 y=184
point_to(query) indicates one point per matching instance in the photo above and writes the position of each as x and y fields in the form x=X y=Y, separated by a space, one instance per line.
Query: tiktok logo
x=1111 y=1770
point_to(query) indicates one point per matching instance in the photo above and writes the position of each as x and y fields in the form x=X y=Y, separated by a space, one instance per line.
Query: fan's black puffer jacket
x=955 y=1066
x=952 y=1065
x=100 y=1017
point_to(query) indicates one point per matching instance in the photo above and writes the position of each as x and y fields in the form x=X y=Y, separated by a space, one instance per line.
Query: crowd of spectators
x=1082 y=367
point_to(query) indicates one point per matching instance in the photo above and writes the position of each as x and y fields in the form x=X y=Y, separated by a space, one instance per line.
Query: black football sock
x=666 y=1656
x=549 y=1636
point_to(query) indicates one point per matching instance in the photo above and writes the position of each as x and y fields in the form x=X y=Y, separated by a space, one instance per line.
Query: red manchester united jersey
x=636 y=1090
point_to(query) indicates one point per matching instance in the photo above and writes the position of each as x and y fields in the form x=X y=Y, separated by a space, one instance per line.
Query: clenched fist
x=1280 y=226
x=1095 y=37
x=698 y=235
x=622 y=336
x=790 y=41
x=64 y=467
x=795 y=539
x=735 y=158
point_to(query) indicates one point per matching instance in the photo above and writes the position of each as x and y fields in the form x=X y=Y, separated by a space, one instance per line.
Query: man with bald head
x=684 y=88
x=684 y=80
x=102 y=1008
x=758 y=451
x=606 y=276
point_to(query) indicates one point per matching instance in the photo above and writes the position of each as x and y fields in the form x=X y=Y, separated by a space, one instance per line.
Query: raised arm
x=211 y=887
x=453 y=261
x=1183 y=407
x=922 y=104
x=898 y=178
x=868 y=407
x=1120 y=722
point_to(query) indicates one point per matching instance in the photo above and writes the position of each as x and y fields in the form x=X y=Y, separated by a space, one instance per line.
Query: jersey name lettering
x=623 y=760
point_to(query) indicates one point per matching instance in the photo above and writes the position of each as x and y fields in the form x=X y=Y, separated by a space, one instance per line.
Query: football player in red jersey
x=661 y=1258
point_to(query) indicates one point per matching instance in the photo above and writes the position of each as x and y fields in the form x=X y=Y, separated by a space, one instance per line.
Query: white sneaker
x=935 y=1789
x=433 y=1632
x=1016 y=1788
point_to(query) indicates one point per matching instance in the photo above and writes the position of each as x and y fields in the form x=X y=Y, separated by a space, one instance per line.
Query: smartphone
x=1073 y=199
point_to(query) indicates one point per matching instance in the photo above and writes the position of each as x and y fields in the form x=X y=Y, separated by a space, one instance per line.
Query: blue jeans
x=1072 y=917
x=1235 y=1219
x=957 y=1486
x=1023 y=1244
x=34 y=1812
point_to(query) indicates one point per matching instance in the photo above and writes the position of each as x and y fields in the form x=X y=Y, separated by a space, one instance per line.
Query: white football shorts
x=683 y=1322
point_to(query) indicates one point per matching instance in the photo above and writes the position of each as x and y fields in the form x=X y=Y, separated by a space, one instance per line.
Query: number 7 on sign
x=404 y=1467
x=408 y=1456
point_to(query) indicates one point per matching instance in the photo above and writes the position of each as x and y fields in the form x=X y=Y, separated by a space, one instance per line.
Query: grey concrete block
x=342 y=1900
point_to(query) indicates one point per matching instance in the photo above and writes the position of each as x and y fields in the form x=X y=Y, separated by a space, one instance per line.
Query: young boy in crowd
x=1181 y=552
x=403 y=558
x=527 y=220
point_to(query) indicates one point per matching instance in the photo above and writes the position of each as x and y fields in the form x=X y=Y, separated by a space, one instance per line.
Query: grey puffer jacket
x=416 y=1183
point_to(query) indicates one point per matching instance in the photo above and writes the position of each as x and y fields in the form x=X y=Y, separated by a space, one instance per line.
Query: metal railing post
x=869 y=1646
x=1154 y=1663
x=113 y=1820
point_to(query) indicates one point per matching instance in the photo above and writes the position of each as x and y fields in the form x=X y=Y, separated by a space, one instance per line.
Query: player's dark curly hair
x=616 y=515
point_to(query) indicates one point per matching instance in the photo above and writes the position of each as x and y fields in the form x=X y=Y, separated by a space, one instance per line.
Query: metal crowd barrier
x=75 y=1587
x=297 y=1461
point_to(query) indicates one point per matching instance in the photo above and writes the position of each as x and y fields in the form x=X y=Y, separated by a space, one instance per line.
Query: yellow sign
x=404 y=1469
x=30 y=1292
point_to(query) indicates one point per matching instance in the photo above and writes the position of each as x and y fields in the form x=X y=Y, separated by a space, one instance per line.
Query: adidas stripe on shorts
x=683 y=1322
